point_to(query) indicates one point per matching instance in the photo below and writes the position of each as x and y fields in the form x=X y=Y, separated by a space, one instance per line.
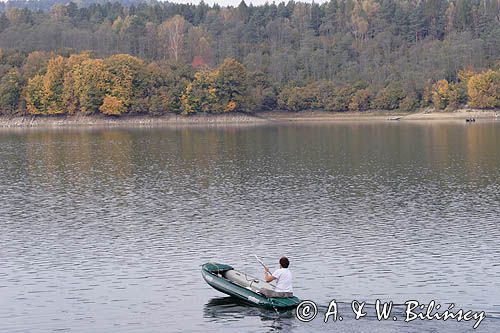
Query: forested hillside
x=340 y=55
x=46 y=5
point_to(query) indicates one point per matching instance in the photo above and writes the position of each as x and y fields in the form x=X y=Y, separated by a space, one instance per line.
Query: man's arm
x=268 y=276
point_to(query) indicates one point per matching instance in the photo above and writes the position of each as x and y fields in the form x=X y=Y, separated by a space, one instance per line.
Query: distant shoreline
x=244 y=119
x=421 y=115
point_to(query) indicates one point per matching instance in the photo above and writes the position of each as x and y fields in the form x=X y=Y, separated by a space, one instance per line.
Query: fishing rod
x=262 y=263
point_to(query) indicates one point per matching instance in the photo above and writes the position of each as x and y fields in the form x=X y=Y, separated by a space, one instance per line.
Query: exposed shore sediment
x=423 y=115
x=245 y=119
x=100 y=120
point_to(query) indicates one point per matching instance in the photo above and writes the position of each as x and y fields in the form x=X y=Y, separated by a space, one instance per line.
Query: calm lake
x=105 y=230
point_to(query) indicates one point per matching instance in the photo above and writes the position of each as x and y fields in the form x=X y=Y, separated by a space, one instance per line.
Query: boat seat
x=254 y=284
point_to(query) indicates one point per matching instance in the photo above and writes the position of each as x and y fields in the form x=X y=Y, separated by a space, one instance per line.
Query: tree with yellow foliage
x=483 y=89
x=216 y=91
x=200 y=95
x=92 y=82
x=112 y=106
x=126 y=75
x=70 y=96
x=231 y=86
x=440 y=94
x=34 y=96
x=53 y=84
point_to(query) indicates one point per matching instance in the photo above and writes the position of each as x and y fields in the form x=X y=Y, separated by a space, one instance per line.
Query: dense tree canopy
x=155 y=57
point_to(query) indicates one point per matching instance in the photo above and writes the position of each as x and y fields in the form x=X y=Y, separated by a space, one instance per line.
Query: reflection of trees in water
x=70 y=156
x=419 y=151
x=229 y=309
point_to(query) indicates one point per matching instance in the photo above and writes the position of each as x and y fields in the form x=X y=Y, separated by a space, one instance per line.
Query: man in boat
x=283 y=276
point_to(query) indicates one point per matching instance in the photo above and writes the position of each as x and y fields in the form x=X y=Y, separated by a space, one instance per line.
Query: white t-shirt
x=283 y=280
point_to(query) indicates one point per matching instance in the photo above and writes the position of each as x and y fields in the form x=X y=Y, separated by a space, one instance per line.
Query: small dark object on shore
x=470 y=120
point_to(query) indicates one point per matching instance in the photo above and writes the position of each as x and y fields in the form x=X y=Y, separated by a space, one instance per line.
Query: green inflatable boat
x=250 y=290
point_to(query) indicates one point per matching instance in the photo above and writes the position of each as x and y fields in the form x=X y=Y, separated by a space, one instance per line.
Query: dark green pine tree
x=417 y=24
x=316 y=16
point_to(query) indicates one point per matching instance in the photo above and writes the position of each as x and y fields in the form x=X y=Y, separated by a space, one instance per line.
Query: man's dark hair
x=284 y=262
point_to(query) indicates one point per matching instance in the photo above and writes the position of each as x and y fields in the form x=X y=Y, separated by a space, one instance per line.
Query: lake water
x=104 y=230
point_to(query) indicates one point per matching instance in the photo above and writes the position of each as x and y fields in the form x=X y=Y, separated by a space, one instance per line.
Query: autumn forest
x=157 y=57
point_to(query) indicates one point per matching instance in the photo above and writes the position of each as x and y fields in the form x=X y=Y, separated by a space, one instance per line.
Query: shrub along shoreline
x=81 y=84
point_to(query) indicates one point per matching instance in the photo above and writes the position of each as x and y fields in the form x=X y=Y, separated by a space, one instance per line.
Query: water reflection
x=229 y=309
x=106 y=229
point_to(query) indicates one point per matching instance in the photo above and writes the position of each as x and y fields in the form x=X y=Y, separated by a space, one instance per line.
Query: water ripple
x=105 y=230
